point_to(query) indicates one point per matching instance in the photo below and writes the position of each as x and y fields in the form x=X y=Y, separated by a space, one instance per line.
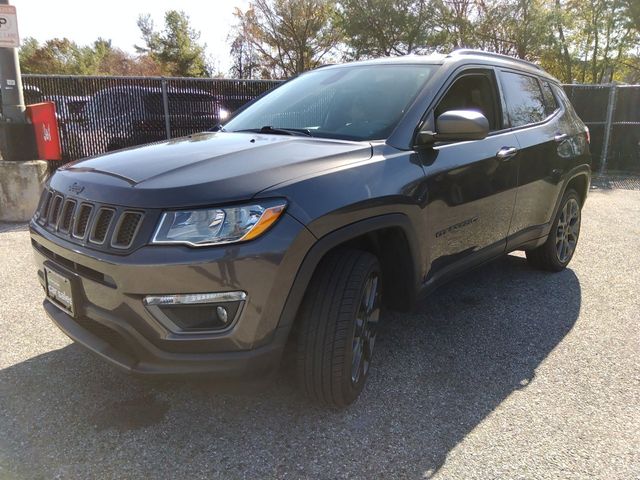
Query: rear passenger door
x=535 y=116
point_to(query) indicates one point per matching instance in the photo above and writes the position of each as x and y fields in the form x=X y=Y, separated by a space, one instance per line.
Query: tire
x=557 y=251
x=337 y=325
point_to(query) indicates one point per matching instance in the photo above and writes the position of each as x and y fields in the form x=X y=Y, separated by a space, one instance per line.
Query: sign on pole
x=9 y=37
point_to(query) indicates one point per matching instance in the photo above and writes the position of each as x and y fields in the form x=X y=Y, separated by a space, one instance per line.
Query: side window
x=550 y=102
x=94 y=107
x=100 y=106
x=120 y=104
x=525 y=102
x=476 y=92
x=561 y=97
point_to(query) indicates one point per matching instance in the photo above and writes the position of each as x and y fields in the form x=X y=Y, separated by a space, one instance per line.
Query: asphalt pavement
x=505 y=373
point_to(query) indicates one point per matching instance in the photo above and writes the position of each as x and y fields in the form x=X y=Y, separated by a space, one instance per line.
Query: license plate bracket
x=59 y=290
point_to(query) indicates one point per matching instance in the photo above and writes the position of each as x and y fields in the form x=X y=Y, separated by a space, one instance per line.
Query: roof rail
x=470 y=51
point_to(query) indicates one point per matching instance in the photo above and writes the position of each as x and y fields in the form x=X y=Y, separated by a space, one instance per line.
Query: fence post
x=165 y=106
x=607 y=129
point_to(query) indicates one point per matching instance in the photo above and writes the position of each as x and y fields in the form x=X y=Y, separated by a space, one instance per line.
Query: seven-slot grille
x=87 y=222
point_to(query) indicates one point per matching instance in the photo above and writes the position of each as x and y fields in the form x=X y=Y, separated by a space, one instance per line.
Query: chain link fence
x=99 y=114
x=612 y=113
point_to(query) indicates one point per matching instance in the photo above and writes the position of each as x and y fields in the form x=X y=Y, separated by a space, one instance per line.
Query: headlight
x=215 y=226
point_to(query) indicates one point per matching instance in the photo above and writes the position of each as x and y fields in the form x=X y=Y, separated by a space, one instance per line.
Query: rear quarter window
x=525 y=102
x=550 y=102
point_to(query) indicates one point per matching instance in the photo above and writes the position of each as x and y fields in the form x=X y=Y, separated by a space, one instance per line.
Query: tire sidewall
x=551 y=244
x=352 y=390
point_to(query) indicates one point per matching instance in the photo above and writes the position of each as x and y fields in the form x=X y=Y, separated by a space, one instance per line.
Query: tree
x=560 y=46
x=62 y=56
x=291 y=36
x=176 y=47
x=454 y=17
x=245 y=58
x=374 y=28
x=58 y=55
x=513 y=27
x=576 y=40
x=632 y=10
x=594 y=41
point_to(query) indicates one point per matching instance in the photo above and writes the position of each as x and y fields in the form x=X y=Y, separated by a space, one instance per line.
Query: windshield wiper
x=278 y=131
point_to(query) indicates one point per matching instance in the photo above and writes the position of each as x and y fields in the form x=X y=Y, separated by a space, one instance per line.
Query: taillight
x=588 y=133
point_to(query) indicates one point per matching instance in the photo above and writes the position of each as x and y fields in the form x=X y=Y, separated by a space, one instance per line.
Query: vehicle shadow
x=438 y=373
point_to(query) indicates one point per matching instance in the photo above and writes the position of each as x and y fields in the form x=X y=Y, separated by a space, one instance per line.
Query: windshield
x=352 y=103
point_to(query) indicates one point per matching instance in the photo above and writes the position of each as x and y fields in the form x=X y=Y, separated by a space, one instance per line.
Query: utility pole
x=21 y=176
x=11 y=84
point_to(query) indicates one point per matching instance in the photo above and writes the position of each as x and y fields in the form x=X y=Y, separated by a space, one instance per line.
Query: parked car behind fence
x=99 y=114
x=118 y=117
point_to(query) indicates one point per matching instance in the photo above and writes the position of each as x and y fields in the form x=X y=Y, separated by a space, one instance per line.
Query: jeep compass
x=348 y=189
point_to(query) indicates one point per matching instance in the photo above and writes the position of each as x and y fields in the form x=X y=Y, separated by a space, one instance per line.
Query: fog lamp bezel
x=153 y=304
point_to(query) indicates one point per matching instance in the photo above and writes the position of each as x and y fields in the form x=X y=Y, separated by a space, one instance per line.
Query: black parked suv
x=118 y=117
x=350 y=188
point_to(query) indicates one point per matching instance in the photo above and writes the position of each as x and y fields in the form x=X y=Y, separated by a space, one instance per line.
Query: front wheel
x=338 y=322
x=556 y=253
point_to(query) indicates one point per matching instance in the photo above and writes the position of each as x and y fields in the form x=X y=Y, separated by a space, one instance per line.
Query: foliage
x=290 y=36
x=176 y=47
x=600 y=34
x=376 y=28
x=513 y=27
x=62 y=56
x=244 y=55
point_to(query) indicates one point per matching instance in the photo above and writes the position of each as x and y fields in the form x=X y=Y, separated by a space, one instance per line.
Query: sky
x=85 y=21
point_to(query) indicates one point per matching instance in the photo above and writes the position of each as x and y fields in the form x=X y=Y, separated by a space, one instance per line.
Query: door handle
x=560 y=137
x=506 y=153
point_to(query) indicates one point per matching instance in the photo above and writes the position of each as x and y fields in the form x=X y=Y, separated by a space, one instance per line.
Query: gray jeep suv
x=347 y=189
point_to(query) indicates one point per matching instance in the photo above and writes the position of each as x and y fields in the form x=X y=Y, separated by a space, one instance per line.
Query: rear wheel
x=338 y=323
x=556 y=253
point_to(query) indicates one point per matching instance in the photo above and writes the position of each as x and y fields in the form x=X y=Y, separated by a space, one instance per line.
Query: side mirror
x=456 y=125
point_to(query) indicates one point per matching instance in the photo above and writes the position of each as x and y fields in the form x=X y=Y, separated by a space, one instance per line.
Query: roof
x=432 y=59
x=457 y=57
x=144 y=89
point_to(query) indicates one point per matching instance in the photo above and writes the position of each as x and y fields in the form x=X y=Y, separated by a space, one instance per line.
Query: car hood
x=203 y=169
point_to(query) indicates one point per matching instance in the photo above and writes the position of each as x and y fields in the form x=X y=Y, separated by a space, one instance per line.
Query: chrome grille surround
x=126 y=229
x=82 y=220
x=101 y=225
x=66 y=217
x=54 y=210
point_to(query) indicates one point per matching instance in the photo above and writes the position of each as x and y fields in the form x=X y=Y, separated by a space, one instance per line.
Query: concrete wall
x=20 y=186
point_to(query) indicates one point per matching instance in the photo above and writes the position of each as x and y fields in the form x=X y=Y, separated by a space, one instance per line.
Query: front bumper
x=112 y=321
x=132 y=353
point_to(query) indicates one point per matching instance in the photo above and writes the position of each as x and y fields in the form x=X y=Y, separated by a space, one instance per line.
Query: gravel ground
x=505 y=373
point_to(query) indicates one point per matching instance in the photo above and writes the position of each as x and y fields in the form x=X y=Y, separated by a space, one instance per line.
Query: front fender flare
x=336 y=238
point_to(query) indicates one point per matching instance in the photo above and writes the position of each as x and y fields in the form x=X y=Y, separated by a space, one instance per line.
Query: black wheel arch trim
x=535 y=235
x=337 y=238
x=580 y=170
